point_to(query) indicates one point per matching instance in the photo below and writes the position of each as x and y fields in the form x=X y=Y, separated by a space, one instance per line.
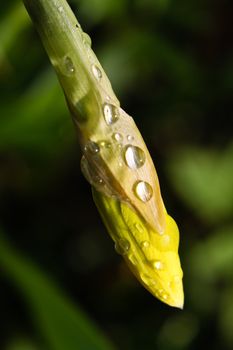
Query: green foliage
x=63 y=325
x=203 y=179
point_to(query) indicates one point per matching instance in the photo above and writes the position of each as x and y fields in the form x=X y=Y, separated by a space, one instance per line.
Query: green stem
x=70 y=53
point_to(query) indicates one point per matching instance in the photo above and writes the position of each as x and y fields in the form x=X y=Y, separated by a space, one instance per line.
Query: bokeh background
x=62 y=285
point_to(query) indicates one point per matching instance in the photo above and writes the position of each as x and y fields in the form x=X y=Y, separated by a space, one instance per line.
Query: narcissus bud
x=115 y=159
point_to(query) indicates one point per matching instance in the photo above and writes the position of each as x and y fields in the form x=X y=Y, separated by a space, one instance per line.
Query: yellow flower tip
x=152 y=257
x=174 y=298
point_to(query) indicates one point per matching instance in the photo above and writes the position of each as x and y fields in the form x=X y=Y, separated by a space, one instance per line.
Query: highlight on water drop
x=143 y=191
x=111 y=113
x=134 y=157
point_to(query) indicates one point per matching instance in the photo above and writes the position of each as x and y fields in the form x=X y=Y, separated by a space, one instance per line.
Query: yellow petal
x=152 y=257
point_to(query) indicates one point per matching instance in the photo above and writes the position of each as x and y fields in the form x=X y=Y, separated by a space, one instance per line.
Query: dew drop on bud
x=157 y=265
x=92 y=147
x=139 y=227
x=145 y=244
x=86 y=39
x=111 y=113
x=122 y=246
x=134 y=157
x=96 y=72
x=91 y=177
x=143 y=191
x=130 y=138
x=69 y=66
x=117 y=137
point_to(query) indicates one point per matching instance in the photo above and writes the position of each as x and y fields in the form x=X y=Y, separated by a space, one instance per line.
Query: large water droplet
x=97 y=72
x=69 y=66
x=122 y=246
x=134 y=157
x=117 y=137
x=111 y=113
x=92 y=147
x=143 y=191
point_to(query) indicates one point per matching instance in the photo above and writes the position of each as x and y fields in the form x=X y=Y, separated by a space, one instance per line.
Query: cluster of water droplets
x=93 y=179
x=133 y=156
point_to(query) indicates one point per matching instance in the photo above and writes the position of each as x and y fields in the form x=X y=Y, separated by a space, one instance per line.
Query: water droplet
x=130 y=138
x=134 y=157
x=117 y=137
x=144 y=278
x=60 y=9
x=92 y=178
x=157 y=264
x=122 y=246
x=152 y=282
x=164 y=296
x=102 y=143
x=139 y=227
x=97 y=72
x=120 y=164
x=143 y=191
x=77 y=25
x=111 y=113
x=147 y=280
x=133 y=259
x=92 y=147
x=145 y=244
x=85 y=168
x=69 y=66
x=105 y=144
x=86 y=39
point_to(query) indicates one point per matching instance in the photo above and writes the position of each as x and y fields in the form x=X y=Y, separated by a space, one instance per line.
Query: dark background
x=171 y=65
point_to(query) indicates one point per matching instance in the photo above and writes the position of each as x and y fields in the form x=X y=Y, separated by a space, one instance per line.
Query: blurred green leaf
x=35 y=121
x=178 y=332
x=147 y=54
x=95 y=10
x=203 y=179
x=226 y=316
x=11 y=26
x=212 y=258
x=21 y=344
x=62 y=324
